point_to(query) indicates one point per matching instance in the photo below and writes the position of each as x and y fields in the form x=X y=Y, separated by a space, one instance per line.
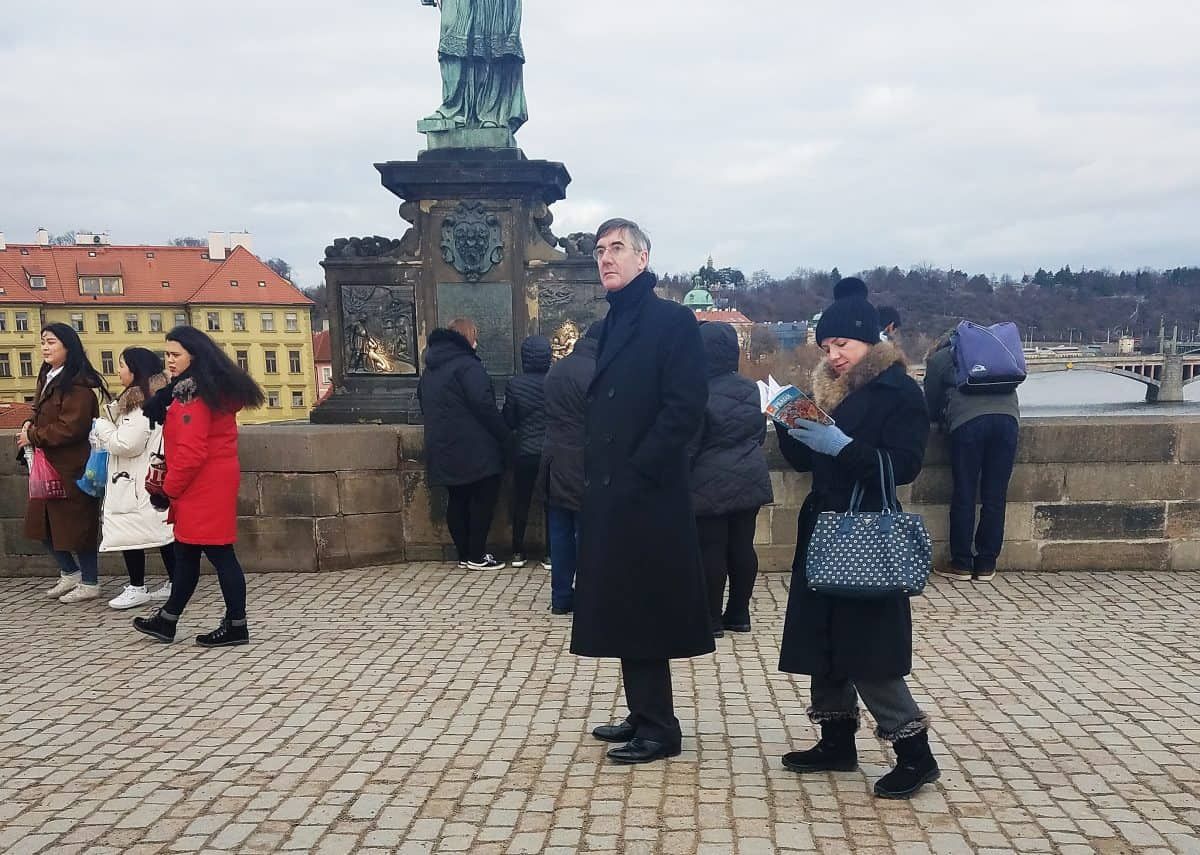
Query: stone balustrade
x=1087 y=494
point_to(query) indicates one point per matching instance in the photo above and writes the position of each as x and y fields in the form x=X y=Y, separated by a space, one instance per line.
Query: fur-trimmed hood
x=829 y=390
x=132 y=398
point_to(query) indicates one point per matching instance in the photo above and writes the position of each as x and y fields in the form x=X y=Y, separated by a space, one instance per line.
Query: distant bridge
x=1164 y=375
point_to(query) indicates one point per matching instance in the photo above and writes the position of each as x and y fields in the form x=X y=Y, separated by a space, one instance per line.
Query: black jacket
x=880 y=407
x=524 y=401
x=566 y=406
x=639 y=591
x=464 y=433
x=729 y=467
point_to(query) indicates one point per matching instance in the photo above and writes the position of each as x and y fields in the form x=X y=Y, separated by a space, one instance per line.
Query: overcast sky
x=1035 y=132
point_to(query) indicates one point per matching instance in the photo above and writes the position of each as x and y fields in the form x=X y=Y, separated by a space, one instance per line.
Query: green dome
x=698 y=299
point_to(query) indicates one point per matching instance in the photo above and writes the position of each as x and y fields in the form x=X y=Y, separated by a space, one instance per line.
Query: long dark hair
x=77 y=368
x=143 y=364
x=219 y=381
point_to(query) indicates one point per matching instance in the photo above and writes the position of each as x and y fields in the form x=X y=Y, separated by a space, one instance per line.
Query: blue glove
x=823 y=439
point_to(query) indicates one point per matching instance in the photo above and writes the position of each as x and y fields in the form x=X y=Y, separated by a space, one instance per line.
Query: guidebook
x=790 y=407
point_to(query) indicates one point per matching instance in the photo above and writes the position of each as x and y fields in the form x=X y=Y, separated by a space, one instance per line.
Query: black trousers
x=648 y=695
x=469 y=516
x=727 y=551
x=135 y=564
x=187 y=576
x=982 y=454
x=524 y=477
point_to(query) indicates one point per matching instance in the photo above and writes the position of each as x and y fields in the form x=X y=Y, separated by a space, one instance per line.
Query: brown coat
x=62 y=420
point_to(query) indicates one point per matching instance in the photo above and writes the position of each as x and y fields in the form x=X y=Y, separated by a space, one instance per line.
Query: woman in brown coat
x=67 y=402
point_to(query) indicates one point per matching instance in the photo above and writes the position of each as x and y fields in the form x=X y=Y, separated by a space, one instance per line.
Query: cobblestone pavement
x=425 y=709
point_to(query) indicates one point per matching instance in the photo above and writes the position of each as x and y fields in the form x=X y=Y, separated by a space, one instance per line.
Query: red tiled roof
x=322 y=351
x=191 y=276
x=14 y=415
x=729 y=316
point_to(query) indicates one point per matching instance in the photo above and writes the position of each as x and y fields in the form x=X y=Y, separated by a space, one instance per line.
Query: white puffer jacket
x=129 y=521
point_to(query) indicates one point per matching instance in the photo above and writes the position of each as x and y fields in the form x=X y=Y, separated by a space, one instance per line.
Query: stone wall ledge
x=1087 y=494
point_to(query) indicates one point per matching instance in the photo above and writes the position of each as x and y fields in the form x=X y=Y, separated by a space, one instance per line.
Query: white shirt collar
x=54 y=372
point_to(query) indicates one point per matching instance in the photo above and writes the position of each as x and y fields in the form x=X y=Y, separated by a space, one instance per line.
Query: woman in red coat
x=199 y=415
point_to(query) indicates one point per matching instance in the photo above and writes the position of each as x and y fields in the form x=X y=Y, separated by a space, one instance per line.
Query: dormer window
x=262 y=284
x=110 y=285
x=149 y=255
x=233 y=283
x=166 y=284
x=37 y=283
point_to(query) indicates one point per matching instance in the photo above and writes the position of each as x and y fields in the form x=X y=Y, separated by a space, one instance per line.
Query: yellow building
x=118 y=297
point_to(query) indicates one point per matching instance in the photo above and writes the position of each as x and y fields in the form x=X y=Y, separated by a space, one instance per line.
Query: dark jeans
x=651 y=704
x=187 y=576
x=135 y=564
x=469 y=516
x=982 y=453
x=727 y=550
x=524 y=476
x=88 y=566
x=563 y=528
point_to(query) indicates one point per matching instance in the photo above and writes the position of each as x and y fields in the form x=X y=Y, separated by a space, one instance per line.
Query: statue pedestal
x=479 y=246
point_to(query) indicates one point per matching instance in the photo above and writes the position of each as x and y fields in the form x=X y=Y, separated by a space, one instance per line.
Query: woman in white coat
x=129 y=523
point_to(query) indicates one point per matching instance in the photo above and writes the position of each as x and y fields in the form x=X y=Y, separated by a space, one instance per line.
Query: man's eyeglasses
x=616 y=250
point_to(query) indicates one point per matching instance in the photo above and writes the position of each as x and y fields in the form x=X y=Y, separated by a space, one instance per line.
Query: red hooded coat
x=203 y=472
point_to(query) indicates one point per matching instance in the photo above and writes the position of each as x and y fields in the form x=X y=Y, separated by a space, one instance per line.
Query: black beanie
x=851 y=315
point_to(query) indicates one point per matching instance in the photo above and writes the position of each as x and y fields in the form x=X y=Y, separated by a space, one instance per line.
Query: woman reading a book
x=854 y=648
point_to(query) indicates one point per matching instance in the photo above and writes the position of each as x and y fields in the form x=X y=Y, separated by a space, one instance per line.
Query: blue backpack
x=988 y=360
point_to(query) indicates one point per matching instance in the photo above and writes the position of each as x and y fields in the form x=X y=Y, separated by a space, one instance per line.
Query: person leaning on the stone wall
x=640 y=594
x=853 y=648
x=983 y=429
x=561 y=477
x=464 y=438
x=730 y=480
x=66 y=404
x=525 y=412
x=198 y=411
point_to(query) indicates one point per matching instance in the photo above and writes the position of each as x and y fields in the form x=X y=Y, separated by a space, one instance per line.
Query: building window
x=291 y=322
x=149 y=255
x=106 y=362
x=77 y=321
x=273 y=399
x=243 y=360
x=101 y=285
x=262 y=283
x=26 y=364
x=294 y=361
x=166 y=284
x=102 y=324
x=297 y=400
x=3 y=321
x=156 y=322
x=268 y=322
x=37 y=283
x=326 y=374
x=5 y=366
x=233 y=283
x=214 y=321
x=239 y=321
x=181 y=319
x=28 y=399
x=22 y=319
x=131 y=323
x=272 y=367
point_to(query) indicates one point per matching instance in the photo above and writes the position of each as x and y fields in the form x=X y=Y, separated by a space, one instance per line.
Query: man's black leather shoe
x=643 y=751
x=622 y=732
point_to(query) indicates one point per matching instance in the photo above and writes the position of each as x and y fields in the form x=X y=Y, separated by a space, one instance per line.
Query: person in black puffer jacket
x=525 y=412
x=464 y=438
x=562 y=463
x=729 y=479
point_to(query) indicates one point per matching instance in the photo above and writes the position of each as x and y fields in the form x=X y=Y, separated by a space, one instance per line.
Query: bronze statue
x=482 y=67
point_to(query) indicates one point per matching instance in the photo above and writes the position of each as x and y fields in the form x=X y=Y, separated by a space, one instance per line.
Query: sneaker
x=133 y=595
x=225 y=635
x=984 y=575
x=80 y=593
x=156 y=626
x=518 y=560
x=161 y=594
x=63 y=585
x=489 y=562
x=546 y=565
x=952 y=572
x=462 y=565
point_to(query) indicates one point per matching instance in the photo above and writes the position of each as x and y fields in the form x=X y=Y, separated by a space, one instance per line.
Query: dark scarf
x=155 y=407
x=623 y=305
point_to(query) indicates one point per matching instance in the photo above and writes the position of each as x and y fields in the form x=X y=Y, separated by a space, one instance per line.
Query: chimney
x=43 y=238
x=237 y=239
x=216 y=246
x=3 y=245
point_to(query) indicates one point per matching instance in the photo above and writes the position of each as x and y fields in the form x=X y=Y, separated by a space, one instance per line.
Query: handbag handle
x=887 y=486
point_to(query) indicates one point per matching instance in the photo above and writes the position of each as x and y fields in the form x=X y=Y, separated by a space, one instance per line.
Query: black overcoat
x=842 y=638
x=639 y=589
x=561 y=475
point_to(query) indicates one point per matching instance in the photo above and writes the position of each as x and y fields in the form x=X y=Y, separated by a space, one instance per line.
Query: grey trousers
x=890 y=702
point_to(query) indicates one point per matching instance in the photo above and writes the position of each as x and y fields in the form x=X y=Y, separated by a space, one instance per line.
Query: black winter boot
x=834 y=752
x=228 y=634
x=156 y=626
x=915 y=767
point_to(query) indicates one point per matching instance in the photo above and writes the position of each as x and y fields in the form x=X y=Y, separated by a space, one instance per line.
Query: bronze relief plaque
x=379 y=325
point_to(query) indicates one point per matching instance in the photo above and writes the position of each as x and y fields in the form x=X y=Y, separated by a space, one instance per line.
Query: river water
x=1093 y=393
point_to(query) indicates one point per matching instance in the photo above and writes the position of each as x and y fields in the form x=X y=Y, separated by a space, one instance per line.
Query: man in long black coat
x=640 y=593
